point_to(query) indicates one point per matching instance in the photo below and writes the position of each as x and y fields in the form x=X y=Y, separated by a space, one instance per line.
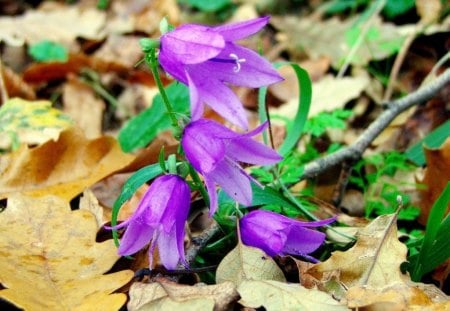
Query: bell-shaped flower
x=214 y=151
x=276 y=234
x=159 y=218
x=206 y=59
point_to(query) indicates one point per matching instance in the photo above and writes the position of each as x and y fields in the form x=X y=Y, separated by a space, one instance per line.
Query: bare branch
x=394 y=108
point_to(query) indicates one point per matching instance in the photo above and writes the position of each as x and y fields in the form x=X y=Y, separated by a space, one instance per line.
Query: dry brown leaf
x=429 y=10
x=60 y=24
x=247 y=263
x=90 y=203
x=274 y=296
x=437 y=174
x=370 y=270
x=166 y=295
x=84 y=107
x=51 y=260
x=64 y=167
x=124 y=50
x=374 y=260
x=16 y=86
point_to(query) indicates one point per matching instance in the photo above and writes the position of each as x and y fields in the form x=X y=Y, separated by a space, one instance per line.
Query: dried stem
x=3 y=90
x=394 y=108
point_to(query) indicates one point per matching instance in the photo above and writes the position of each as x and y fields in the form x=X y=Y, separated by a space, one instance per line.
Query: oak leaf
x=273 y=295
x=166 y=295
x=51 y=260
x=64 y=167
x=247 y=263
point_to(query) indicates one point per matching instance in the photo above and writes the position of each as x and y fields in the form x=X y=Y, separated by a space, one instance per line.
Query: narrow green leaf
x=433 y=140
x=427 y=261
x=304 y=103
x=129 y=188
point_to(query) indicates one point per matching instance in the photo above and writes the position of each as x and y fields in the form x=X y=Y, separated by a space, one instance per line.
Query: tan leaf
x=429 y=10
x=64 y=167
x=60 y=24
x=90 y=203
x=166 y=295
x=327 y=94
x=273 y=295
x=374 y=260
x=51 y=260
x=84 y=107
x=437 y=174
x=247 y=263
x=334 y=38
x=15 y=85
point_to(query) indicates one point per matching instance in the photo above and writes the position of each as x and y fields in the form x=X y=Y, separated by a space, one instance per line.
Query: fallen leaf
x=437 y=174
x=273 y=295
x=166 y=295
x=316 y=37
x=51 y=260
x=373 y=261
x=90 y=203
x=60 y=24
x=428 y=10
x=64 y=167
x=30 y=122
x=247 y=263
x=16 y=86
x=370 y=270
x=327 y=94
x=84 y=107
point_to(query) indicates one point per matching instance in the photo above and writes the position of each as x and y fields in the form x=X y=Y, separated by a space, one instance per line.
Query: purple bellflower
x=214 y=151
x=276 y=234
x=204 y=58
x=160 y=218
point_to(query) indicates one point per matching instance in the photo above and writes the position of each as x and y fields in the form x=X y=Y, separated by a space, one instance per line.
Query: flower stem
x=199 y=184
x=152 y=62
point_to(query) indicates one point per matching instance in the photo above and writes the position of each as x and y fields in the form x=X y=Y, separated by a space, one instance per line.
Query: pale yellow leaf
x=51 y=260
x=166 y=295
x=277 y=296
x=247 y=263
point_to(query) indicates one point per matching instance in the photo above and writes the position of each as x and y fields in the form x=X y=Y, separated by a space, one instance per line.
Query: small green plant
x=377 y=176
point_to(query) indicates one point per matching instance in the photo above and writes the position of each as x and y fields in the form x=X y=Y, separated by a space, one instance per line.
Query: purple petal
x=218 y=96
x=303 y=241
x=177 y=207
x=247 y=150
x=202 y=150
x=237 y=31
x=233 y=181
x=137 y=235
x=317 y=223
x=212 y=193
x=175 y=69
x=254 y=72
x=192 y=44
x=168 y=250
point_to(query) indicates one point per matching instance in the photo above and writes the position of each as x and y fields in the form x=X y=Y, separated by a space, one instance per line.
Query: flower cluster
x=207 y=60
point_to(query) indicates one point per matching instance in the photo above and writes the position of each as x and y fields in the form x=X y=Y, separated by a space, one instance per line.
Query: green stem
x=199 y=184
x=153 y=64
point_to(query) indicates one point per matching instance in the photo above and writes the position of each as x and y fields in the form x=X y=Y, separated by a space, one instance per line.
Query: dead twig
x=394 y=108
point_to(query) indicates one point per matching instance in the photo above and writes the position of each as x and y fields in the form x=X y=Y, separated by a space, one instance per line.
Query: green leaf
x=143 y=128
x=432 y=252
x=433 y=140
x=208 y=5
x=48 y=51
x=393 y=8
x=304 y=102
x=129 y=188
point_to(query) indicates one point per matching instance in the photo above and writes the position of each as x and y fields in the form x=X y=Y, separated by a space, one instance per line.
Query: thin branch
x=200 y=241
x=394 y=108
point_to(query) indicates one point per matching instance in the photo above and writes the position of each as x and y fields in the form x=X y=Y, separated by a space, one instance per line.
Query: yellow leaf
x=166 y=295
x=247 y=263
x=273 y=296
x=30 y=122
x=64 y=167
x=51 y=260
